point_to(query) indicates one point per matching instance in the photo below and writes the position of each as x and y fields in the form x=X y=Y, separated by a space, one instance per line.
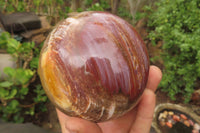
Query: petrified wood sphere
x=94 y=66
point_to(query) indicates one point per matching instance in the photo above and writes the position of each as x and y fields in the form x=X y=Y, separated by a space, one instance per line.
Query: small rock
x=187 y=123
x=171 y=113
x=195 y=131
x=196 y=126
x=169 y=124
x=162 y=123
x=171 y=121
x=183 y=116
x=162 y=115
x=162 y=119
x=169 y=117
x=165 y=113
x=191 y=122
x=176 y=118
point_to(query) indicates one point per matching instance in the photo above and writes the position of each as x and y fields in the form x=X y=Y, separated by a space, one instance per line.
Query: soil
x=51 y=121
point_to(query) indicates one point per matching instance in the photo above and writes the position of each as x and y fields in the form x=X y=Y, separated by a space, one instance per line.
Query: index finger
x=155 y=76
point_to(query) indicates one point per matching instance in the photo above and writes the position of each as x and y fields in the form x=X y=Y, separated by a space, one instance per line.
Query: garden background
x=169 y=28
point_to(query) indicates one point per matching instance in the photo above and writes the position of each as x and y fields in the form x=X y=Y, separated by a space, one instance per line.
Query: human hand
x=138 y=120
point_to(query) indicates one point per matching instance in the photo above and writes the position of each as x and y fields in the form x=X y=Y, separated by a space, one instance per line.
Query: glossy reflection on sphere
x=94 y=66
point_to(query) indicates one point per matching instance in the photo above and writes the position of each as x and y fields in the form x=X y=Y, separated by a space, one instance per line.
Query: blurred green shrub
x=19 y=95
x=177 y=24
x=55 y=10
x=95 y=7
x=101 y=6
x=124 y=13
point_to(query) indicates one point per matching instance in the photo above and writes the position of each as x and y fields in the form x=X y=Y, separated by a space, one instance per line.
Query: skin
x=138 y=120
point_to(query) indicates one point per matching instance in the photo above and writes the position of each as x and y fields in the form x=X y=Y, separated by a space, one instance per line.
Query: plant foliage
x=55 y=10
x=17 y=98
x=177 y=24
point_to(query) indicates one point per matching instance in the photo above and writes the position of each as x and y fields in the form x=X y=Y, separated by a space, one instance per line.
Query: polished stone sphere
x=95 y=66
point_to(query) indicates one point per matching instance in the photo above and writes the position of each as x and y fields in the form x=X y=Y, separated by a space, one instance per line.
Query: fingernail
x=158 y=71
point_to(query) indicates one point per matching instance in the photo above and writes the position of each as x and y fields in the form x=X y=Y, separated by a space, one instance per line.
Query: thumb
x=76 y=125
x=145 y=112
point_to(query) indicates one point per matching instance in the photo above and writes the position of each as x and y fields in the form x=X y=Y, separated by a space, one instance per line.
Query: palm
x=138 y=120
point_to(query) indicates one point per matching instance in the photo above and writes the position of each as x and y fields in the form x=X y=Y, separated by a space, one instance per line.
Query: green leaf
x=13 y=104
x=88 y=2
x=9 y=71
x=43 y=108
x=17 y=118
x=19 y=76
x=12 y=46
x=4 y=36
x=37 y=2
x=23 y=75
x=96 y=7
x=34 y=62
x=6 y=84
x=3 y=93
x=24 y=91
x=41 y=96
x=12 y=94
x=12 y=107
x=31 y=111
x=26 y=47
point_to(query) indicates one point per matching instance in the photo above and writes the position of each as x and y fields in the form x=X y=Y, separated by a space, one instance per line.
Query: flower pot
x=170 y=118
